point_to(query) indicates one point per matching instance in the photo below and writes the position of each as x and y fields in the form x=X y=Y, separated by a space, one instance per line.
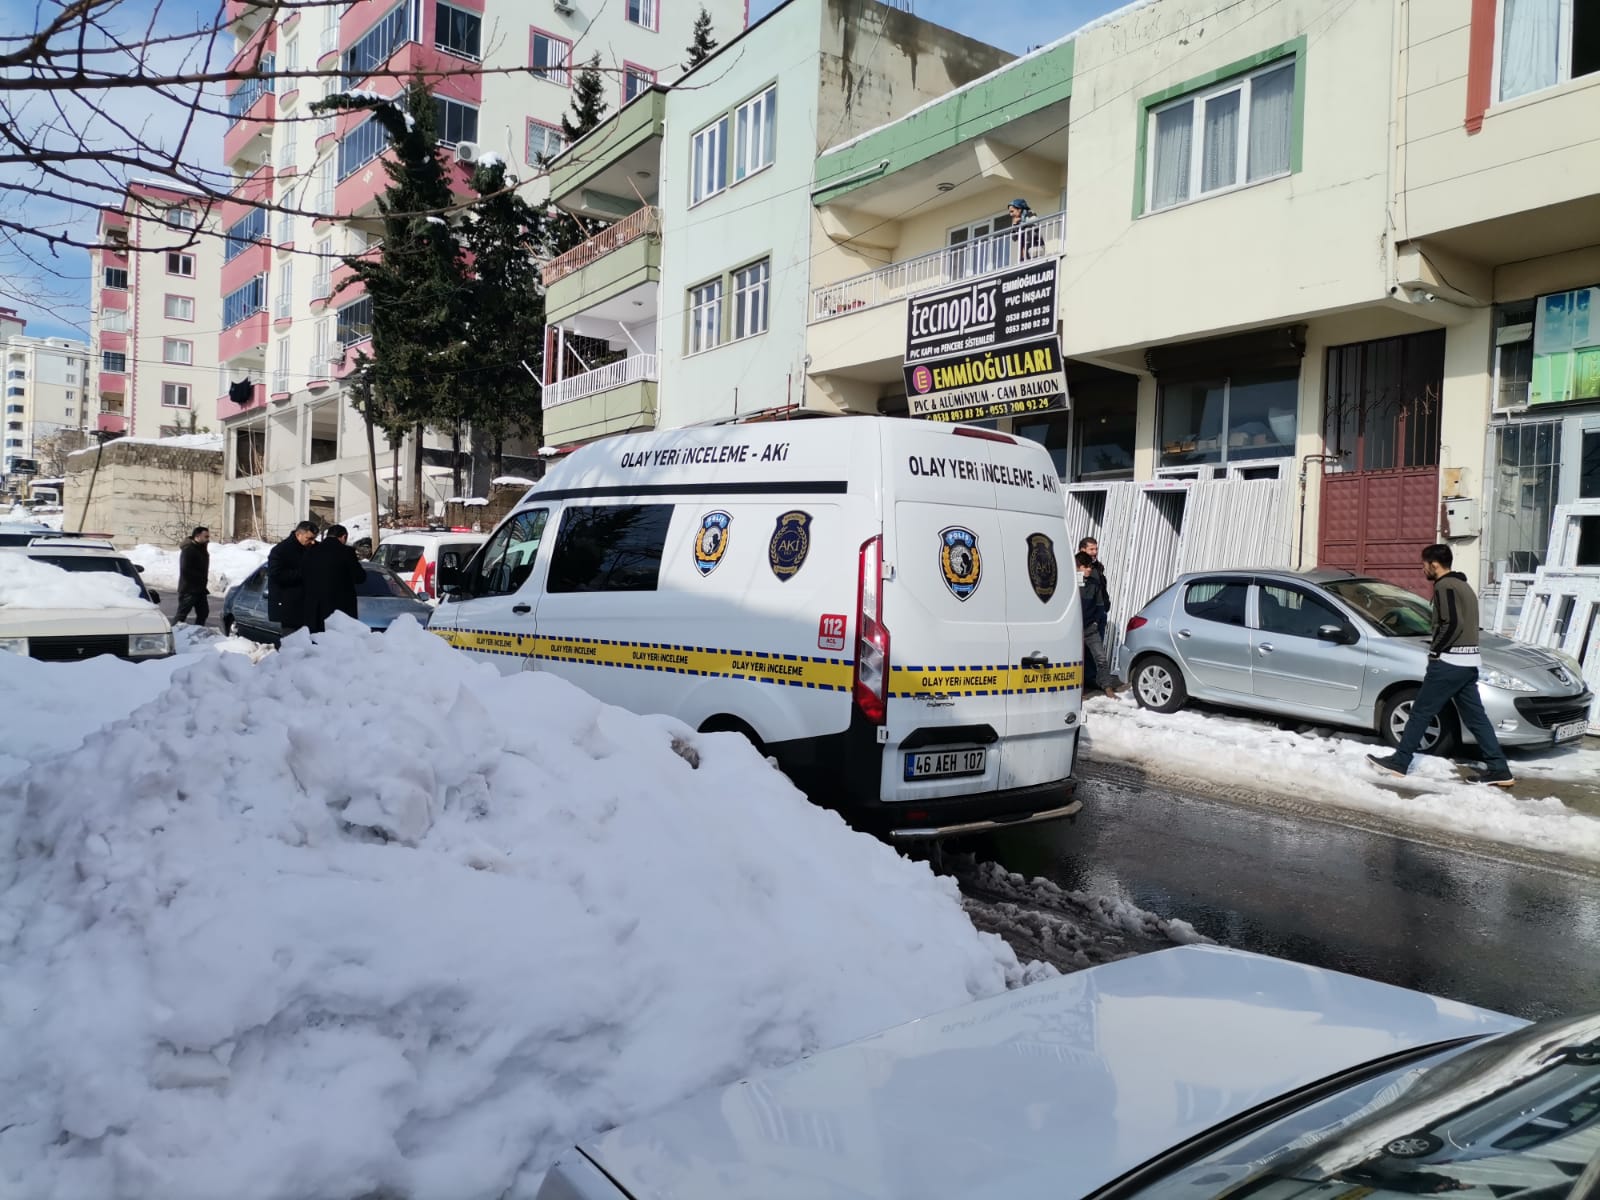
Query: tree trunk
x=455 y=460
x=499 y=458
x=372 y=473
x=416 y=476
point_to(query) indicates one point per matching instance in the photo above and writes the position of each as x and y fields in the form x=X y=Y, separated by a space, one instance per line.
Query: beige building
x=46 y=397
x=141 y=491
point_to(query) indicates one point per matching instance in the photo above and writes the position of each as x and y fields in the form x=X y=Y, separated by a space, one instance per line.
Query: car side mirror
x=1339 y=635
x=138 y=568
x=155 y=596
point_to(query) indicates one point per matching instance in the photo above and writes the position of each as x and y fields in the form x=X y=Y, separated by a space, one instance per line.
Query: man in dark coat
x=286 y=580
x=194 y=574
x=333 y=572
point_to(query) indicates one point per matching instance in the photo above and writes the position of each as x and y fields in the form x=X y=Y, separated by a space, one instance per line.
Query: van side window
x=508 y=556
x=615 y=548
x=1220 y=600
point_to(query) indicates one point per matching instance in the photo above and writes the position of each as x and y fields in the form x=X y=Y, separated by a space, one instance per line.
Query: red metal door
x=1377 y=523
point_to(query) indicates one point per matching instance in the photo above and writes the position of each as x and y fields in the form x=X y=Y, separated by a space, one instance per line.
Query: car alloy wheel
x=1397 y=727
x=1155 y=685
x=1418 y=1145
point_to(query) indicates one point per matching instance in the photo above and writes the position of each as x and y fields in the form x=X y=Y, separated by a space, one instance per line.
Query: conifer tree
x=702 y=46
x=588 y=102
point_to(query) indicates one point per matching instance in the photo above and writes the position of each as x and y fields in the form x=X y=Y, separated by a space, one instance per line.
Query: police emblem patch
x=1042 y=570
x=959 y=561
x=711 y=543
x=791 y=542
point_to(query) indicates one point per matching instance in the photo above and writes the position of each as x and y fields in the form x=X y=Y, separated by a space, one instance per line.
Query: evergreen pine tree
x=702 y=46
x=588 y=102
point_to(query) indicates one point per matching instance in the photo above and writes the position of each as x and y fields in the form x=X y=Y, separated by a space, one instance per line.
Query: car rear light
x=427 y=580
x=988 y=435
x=1136 y=623
x=871 y=686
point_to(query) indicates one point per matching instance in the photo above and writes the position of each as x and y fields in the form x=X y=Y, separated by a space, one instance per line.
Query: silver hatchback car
x=1334 y=647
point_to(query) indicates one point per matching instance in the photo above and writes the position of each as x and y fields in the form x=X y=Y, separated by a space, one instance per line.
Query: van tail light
x=1136 y=623
x=871 y=687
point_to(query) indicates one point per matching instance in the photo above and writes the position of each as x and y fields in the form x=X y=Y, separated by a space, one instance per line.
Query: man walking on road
x=194 y=575
x=286 y=580
x=333 y=573
x=1452 y=674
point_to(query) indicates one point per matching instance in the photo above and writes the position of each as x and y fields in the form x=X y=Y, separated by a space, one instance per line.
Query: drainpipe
x=1305 y=466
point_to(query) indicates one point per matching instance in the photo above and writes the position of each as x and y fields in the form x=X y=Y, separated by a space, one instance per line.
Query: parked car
x=1195 y=1073
x=1335 y=647
x=68 y=632
x=380 y=598
x=22 y=534
x=417 y=554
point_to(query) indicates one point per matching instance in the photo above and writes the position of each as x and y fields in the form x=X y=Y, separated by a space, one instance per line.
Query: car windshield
x=115 y=564
x=1392 y=609
x=382 y=583
x=398 y=556
x=1510 y=1118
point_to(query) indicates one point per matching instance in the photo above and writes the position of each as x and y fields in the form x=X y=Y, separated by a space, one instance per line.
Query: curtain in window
x=1530 y=36
x=1174 y=133
x=1219 y=163
x=1271 y=122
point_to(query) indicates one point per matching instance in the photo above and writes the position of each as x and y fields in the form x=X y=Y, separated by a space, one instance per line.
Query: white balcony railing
x=317 y=368
x=285 y=229
x=280 y=383
x=1042 y=238
x=329 y=41
x=322 y=284
x=636 y=368
x=280 y=305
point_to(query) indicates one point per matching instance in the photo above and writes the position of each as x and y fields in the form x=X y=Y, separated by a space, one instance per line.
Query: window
x=1220 y=600
x=72 y=394
x=636 y=81
x=705 y=316
x=180 y=308
x=291 y=59
x=1248 y=415
x=755 y=133
x=242 y=234
x=549 y=57
x=180 y=218
x=354 y=322
x=1541 y=43
x=375 y=46
x=175 y=351
x=709 y=167
x=244 y=98
x=113 y=361
x=643 y=12
x=457 y=122
x=67 y=410
x=1050 y=430
x=457 y=31
x=1235 y=133
x=283 y=295
x=615 y=548
x=174 y=395
x=751 y=288
x=1105 y=420
x=114 y=320
x=117 y=277
x=1525 y=458
x=974 y=251
x=1294 y=613
x=356 y=149
x=180 y=264
x=544 y=142
x=509 y=556
x=244 y=303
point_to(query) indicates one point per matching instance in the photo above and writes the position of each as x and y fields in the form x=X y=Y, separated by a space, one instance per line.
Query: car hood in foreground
x=81 y=622
x=1052 y=1090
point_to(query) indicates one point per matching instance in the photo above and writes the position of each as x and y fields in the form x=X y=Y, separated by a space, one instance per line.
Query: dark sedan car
x=380 y=598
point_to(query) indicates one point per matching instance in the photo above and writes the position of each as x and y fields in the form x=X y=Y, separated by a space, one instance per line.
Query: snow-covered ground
x=1330 y=767
x=370 y=918
x=230 y=563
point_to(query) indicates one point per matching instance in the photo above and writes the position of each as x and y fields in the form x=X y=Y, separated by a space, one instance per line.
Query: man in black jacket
x=1091 y=598
x=194 y=575
x=1452 y=674
x=286 y=581
x=333 y=573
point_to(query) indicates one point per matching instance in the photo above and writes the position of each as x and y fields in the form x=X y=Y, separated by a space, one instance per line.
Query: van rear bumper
x=921 y=833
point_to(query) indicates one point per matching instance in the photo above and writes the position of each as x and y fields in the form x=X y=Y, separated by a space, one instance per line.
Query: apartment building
x=502 y=74
x=691 y=307
x=47 y=393
x=154 y=315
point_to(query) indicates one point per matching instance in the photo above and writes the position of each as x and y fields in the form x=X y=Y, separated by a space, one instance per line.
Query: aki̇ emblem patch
x=711 y=543
x=1043 y=573
x=791 y=542
x=959 y=561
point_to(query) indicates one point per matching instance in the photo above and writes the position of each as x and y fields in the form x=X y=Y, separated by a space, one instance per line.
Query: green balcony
x=616 y=260
x=616 y=398
x=606 y=172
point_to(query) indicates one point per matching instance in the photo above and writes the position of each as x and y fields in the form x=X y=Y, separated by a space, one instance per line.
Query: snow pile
x=197 y=639
x=231 y=562
x=178 y=441
x=1330 y=767
x=28 y=583
x=371 y=918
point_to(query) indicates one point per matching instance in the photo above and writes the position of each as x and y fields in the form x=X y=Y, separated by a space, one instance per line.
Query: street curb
x=1138 y=778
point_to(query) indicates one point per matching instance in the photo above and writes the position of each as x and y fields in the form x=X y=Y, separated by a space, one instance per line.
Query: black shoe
x=1499 y=779
x=1390 y=764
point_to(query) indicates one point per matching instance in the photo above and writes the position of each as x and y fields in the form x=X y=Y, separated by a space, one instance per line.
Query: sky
x=1017 y=27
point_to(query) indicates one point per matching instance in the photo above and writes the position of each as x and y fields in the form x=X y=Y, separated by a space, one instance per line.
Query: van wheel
x=1158 y=685
x=727 y=724
x=1444 y=731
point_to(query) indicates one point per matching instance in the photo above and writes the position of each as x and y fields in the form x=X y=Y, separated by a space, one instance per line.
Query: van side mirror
x=1339 y=635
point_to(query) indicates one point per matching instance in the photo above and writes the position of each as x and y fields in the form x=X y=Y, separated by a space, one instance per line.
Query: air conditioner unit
x=564 y=7
x=468 y=152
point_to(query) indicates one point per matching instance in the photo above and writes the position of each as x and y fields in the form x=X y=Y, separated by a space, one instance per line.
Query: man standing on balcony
x=1030 y=242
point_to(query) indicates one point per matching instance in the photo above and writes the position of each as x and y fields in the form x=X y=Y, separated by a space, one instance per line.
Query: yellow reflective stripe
x=983 y=681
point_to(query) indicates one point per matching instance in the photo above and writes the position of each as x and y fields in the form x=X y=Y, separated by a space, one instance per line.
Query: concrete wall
x=144 y=493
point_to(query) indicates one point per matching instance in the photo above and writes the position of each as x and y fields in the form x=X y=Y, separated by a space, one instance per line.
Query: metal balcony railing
x=280 y=383
x=1042 y=238
x=645 y=222
x=317 y=368
x=329 y=42
x=636 y=368
x=280 y=304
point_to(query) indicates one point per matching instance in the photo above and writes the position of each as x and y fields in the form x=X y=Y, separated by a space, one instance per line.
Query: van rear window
x=612 y=548
x=398 y=556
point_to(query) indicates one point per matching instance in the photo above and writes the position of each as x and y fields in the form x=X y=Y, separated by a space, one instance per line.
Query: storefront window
x=1245 y=416
x=1566 y=347
x=1051 y=430
x=1105 y=416
x=1527 y=458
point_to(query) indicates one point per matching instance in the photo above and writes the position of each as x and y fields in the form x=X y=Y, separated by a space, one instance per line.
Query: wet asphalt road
x=169 y=606
x=1504 y=933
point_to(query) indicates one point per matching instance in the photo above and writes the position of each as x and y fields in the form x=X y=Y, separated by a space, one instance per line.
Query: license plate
x=1571 y=731
x=945 y=764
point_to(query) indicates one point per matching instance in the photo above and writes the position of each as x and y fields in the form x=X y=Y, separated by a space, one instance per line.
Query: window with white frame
x=755 y=134
x=1541 y=43
x=1236 y=133
x=283 y=296
x=456 y=122
x=116 y=278
x=176 y=350
x=544 y=142
x=179 y=308
x=291 y=60
x=174 y=395
x=280 y=380
x=642 y=12
x=709 y=161
x=114 y=361
x=636 y=81
x=180 y=264
x=180 y=218
x=114 y=320
x=705 y=316
x=550 y=58
x=752 y=287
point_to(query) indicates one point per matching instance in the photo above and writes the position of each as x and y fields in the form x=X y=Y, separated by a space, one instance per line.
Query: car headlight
x=1506 y=683
x=14 y=645
x=147 y=645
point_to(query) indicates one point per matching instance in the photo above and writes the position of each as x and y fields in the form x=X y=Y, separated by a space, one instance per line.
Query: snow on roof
x=1036 y=52
x=167 y=185
x=29 y=583
x=489 y=159
x=183 y=441
x=510 y=481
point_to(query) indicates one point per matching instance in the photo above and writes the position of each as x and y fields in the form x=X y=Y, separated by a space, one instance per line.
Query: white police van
x=885 y=606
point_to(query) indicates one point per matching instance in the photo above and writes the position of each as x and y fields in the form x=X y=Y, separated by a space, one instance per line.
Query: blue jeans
x=1441 y=684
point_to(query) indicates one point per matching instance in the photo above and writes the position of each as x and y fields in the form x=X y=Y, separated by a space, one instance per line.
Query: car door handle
x=522 y=608
x=1265 y=647
x=1183 y=633
x=1036 y=662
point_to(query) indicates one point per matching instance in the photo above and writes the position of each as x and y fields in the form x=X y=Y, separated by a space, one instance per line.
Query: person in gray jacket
x=1452 y=674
